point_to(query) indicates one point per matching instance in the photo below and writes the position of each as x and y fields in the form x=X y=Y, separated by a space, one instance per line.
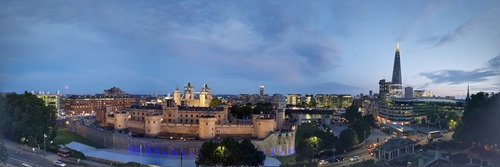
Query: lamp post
x=44 y=144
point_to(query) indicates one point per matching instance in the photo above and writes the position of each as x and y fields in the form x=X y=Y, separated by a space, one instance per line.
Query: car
x=323 y=162
x=59 y=163
x=25 y=165
x=354 y=158
x=338 y=159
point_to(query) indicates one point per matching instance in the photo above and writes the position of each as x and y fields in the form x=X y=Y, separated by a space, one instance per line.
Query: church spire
x=467 y=99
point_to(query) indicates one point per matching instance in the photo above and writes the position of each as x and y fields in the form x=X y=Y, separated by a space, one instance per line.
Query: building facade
x=415 y=110
x=112 y=100
x=395 y=148
x=51 y=100
x=408 y=92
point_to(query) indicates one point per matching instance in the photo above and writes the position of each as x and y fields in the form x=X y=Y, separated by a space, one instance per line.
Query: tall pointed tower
x=396 y=72
x=467 y=99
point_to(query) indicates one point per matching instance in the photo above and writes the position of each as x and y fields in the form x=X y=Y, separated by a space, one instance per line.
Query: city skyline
x=84 y=47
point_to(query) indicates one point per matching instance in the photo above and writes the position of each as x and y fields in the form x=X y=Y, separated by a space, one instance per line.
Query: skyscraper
x=261 y=90
x=396 y=72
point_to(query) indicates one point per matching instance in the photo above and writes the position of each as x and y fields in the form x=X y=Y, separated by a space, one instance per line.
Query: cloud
x=456 y=34
x=253 y=40
x=462 y=76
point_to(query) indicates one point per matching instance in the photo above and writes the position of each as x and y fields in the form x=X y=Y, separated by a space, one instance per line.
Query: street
x=362 y=152
x=17 y=157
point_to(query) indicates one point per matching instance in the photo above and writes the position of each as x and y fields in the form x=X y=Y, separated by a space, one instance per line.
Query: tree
x=348 y=139
x=352 y=114
x=308 y=148
x=451 y=120
x=3 y=152
x=362 y=129
x=370 y=120
x=207 y=155
x=215 y=102
x=26 y=116
x=230 y=153
x=479 y=123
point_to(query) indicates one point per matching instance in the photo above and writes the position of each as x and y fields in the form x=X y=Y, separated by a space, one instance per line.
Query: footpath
x=52 y=156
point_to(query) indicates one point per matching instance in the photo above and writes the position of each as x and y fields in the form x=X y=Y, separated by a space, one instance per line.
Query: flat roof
x=396 y=143
x=400 y=128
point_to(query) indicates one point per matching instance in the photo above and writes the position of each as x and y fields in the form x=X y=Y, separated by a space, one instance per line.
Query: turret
x=177 y=97
x=152 y=125
x=121 y=120
x=207 y=127
x=263 y=126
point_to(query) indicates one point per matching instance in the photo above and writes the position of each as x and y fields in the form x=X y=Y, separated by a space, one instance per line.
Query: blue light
x=148 y=149
x=156 y=150
x=138 y=149
x=130 y=148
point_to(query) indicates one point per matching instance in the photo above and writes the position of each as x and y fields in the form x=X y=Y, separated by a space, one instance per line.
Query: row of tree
x=480 y=122
x=358 y=130
x=25 y=116
x=230 y=152
x=245 y=112
x=311 y=144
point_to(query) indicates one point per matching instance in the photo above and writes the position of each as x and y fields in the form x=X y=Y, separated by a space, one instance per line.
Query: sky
x=142 y=47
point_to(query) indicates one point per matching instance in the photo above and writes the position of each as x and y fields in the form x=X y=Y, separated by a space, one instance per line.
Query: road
x=17 y=157
x=362 y=152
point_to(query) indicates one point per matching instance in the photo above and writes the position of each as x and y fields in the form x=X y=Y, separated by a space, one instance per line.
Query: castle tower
x=396 y=72
x=152 y=125
x=203 y=96
x=263 y=127
x=188 y=91
x=177 y=97
x=280 y=118
x=121 y=120
x=207 y=127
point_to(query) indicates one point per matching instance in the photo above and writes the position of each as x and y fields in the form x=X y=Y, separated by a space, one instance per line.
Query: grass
x=65 y=137
x=287 y=159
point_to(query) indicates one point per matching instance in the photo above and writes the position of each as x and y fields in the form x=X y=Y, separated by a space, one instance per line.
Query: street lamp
x=44 y=144
x=313 y=141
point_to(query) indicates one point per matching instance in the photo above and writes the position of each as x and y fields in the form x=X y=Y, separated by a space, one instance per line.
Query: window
x=148 y=122
x=207 y=123
x=191 y=115
x=154 y=121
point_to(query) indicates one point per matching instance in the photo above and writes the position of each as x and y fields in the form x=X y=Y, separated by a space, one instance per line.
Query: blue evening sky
x=84 y=47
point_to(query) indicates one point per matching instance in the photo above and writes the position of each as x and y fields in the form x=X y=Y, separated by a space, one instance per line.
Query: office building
x=408 y=92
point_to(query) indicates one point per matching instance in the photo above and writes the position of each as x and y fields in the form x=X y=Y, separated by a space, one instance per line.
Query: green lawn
x=65 y=137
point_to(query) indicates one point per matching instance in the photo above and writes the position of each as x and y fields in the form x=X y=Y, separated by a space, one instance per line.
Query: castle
x=190 y=118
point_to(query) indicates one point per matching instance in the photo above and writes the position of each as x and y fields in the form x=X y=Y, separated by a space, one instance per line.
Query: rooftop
x=396 y=143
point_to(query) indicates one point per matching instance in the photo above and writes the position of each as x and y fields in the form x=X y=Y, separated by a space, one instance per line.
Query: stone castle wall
x=240 y=129
x=275 y=144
